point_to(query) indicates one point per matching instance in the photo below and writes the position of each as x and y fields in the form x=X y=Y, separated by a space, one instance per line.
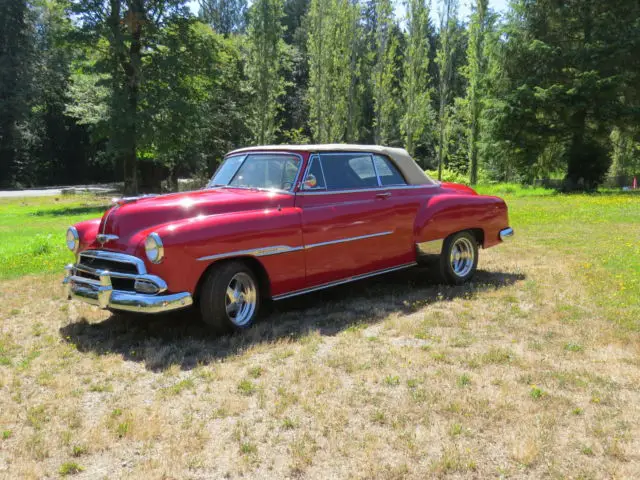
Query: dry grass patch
x=519 y=374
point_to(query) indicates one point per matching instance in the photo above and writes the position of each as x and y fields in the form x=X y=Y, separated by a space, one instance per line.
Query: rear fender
x=444 y=215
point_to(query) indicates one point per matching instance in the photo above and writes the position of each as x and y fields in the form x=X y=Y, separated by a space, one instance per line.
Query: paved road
x=49 y=192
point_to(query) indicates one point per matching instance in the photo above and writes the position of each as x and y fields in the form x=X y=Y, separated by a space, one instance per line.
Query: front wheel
x=230 y=297
x=459 y=258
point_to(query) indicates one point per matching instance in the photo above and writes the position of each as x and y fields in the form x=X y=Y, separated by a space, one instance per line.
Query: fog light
x=144 y=286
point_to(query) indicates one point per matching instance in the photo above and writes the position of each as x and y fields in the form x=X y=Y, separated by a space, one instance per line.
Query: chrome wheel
x=462 y=257
x=241 y=299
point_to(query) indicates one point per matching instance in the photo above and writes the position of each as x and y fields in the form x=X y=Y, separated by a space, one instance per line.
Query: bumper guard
x=101 y=293
x=506 y=234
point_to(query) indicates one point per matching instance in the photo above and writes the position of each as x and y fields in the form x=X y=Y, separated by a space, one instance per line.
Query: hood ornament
x=103 y=238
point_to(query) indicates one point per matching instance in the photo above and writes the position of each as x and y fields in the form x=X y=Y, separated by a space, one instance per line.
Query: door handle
x=383 y=195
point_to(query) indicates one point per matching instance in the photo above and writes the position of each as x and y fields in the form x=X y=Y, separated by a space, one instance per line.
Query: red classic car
x=280 y=221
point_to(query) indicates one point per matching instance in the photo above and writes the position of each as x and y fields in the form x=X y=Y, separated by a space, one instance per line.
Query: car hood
x=129 y=217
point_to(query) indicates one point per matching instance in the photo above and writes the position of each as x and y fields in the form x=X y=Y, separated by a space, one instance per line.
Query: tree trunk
x=575 y=178
x=442 y=127
x=130 y=61
x=473 y=147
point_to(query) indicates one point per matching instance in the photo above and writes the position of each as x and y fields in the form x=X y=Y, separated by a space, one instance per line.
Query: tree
x=131 y=29
x=295 y=112
x=416 y=89
x=476 y=73
x=224 y=16
x=266 y=62
x=333 y=69
x=16 y=59
x=385 y=76
x=572 y=70
x=444 y=59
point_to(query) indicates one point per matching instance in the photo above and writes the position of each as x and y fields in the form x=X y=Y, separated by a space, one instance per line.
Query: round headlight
x=73 y=239
x=153 y=248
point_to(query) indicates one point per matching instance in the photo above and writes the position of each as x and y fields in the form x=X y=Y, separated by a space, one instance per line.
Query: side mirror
x=310 y=182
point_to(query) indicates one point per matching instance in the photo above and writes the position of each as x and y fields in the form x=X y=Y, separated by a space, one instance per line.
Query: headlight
x=153 y=247
x=73 y=239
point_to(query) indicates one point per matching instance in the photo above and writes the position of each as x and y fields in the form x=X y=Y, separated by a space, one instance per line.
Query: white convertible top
x=410 y=170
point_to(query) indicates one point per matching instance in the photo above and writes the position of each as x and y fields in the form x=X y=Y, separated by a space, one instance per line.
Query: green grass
x=514 y=190
x=600 y=232
x=32 y=231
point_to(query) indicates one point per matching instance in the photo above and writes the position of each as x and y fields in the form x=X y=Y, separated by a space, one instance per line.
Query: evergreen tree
x=573 y=71
x=385 y=76
x=418 y=115
x=16 y=61
x=295 y=113
x=266 y=62
x=224 y=16
x=444 y=59
x=333 y=69
x=475 y=74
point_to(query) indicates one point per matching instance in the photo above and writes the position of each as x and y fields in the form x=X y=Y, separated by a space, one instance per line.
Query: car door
x=349 y=226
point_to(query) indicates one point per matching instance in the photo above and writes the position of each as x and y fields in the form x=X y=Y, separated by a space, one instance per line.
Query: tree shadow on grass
x=63 y=212
x=162 y=341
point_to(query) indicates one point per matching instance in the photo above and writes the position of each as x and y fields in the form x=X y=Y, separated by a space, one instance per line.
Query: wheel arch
x=264 y=282
x=478 y=233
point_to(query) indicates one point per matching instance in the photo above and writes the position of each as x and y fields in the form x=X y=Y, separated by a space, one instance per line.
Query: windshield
x=269 y=171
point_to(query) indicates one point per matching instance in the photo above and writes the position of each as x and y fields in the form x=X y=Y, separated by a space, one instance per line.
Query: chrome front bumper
x=101 y=293
x=506 y=234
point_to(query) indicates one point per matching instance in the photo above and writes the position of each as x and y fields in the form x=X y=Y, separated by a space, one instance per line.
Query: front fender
x=87 y=231
x=272 y=236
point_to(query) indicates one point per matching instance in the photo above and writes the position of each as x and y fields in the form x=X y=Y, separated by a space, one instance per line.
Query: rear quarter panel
x=447 y=213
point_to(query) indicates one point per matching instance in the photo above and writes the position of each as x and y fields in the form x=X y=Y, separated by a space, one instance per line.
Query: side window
x=343 y=171
x=314 y=180
x=387 y=171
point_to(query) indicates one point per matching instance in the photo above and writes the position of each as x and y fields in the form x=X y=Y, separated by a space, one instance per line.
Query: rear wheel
x=459 y=258
x=230 y=297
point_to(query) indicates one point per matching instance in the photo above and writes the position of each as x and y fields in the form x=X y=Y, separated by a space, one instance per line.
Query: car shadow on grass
x=179 y=338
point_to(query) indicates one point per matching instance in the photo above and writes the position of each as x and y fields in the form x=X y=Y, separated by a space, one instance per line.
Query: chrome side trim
x=432 y=247
x=278 y=249
x=506 y=234
x=360 y=190
x=345 y=240
x=343 y=281
x=255 y=252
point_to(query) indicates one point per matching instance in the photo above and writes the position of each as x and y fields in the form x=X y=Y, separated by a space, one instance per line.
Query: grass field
x=32 y=231
x=530 y=371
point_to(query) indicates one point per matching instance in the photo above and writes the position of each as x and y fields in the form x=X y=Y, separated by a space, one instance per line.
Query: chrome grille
x=122 y=269
x=105 y=264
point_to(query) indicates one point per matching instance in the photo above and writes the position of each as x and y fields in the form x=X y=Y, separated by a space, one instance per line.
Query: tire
x=458 y=259
x=230 y=297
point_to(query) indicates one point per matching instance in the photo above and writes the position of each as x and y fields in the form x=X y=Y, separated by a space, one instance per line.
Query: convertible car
x=280 y=221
